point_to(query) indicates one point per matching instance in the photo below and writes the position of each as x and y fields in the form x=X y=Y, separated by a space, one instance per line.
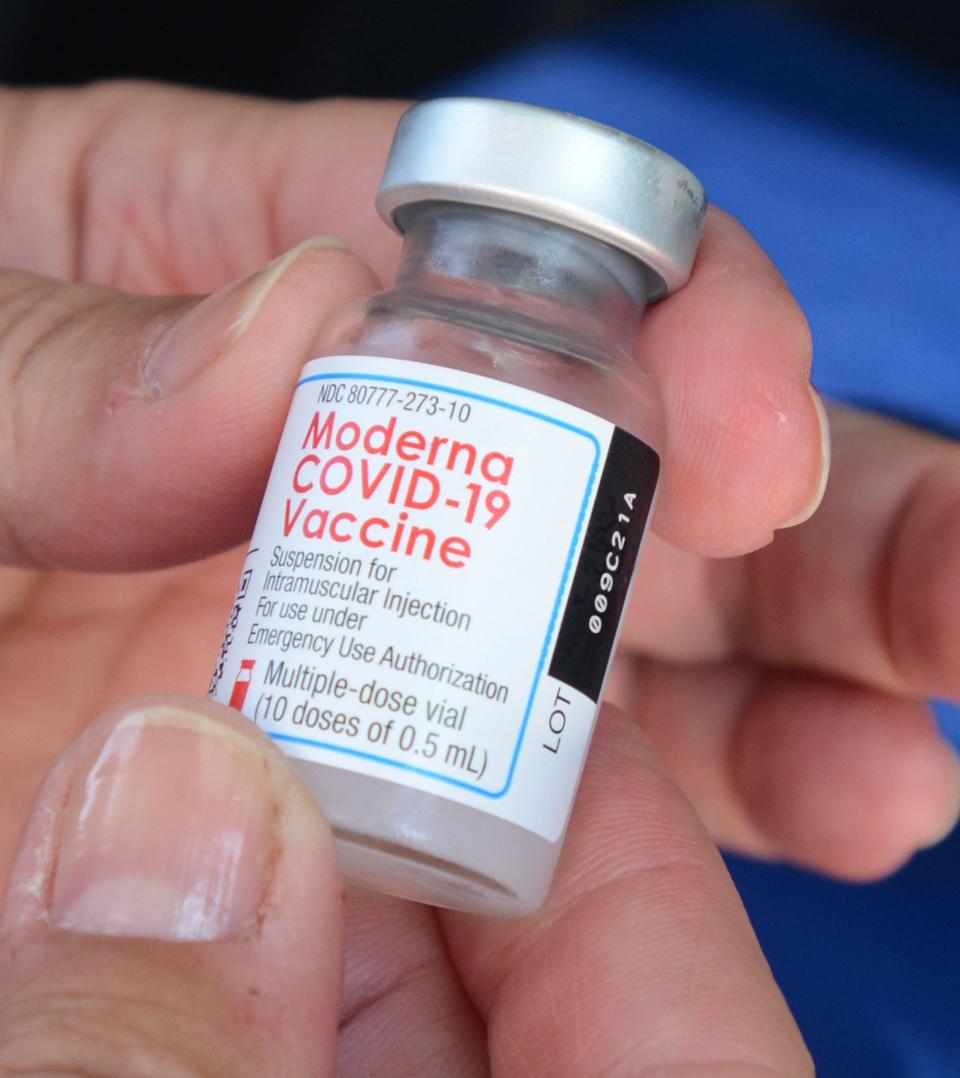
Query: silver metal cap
x=551 y=165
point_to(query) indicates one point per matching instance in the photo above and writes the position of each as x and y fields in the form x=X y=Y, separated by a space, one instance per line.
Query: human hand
x=145 y=456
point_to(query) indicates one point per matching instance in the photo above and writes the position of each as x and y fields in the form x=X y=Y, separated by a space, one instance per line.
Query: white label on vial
x=435 y=582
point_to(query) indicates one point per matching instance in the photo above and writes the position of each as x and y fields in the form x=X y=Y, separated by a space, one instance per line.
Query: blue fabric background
x=844 y=160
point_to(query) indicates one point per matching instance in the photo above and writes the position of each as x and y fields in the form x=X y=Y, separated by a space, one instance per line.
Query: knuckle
x=102 y=1036
x=38 y=318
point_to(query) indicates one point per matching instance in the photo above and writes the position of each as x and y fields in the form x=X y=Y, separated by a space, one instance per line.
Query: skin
x=779 y=689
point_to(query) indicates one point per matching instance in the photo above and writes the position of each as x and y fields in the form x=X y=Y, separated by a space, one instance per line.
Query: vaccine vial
x=446 y=545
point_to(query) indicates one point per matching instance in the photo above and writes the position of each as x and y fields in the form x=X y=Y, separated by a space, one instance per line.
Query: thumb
x=137 y=431
x=174 y=907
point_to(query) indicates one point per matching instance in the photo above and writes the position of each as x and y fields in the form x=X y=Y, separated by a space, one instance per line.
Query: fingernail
x=169 y=833
x=811 y=507
x=260 y=286
x=195 y=340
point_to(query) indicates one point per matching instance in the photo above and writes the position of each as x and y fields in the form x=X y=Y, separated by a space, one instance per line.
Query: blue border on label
x=544 y=651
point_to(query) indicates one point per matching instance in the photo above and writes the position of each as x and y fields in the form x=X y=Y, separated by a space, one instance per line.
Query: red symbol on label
x=242 y=684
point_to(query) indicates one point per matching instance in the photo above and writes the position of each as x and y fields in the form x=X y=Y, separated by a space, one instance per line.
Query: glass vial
x=435 y=583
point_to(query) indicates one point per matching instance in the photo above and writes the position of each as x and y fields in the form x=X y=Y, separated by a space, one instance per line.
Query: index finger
x=643 y=960
x=154 y=189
